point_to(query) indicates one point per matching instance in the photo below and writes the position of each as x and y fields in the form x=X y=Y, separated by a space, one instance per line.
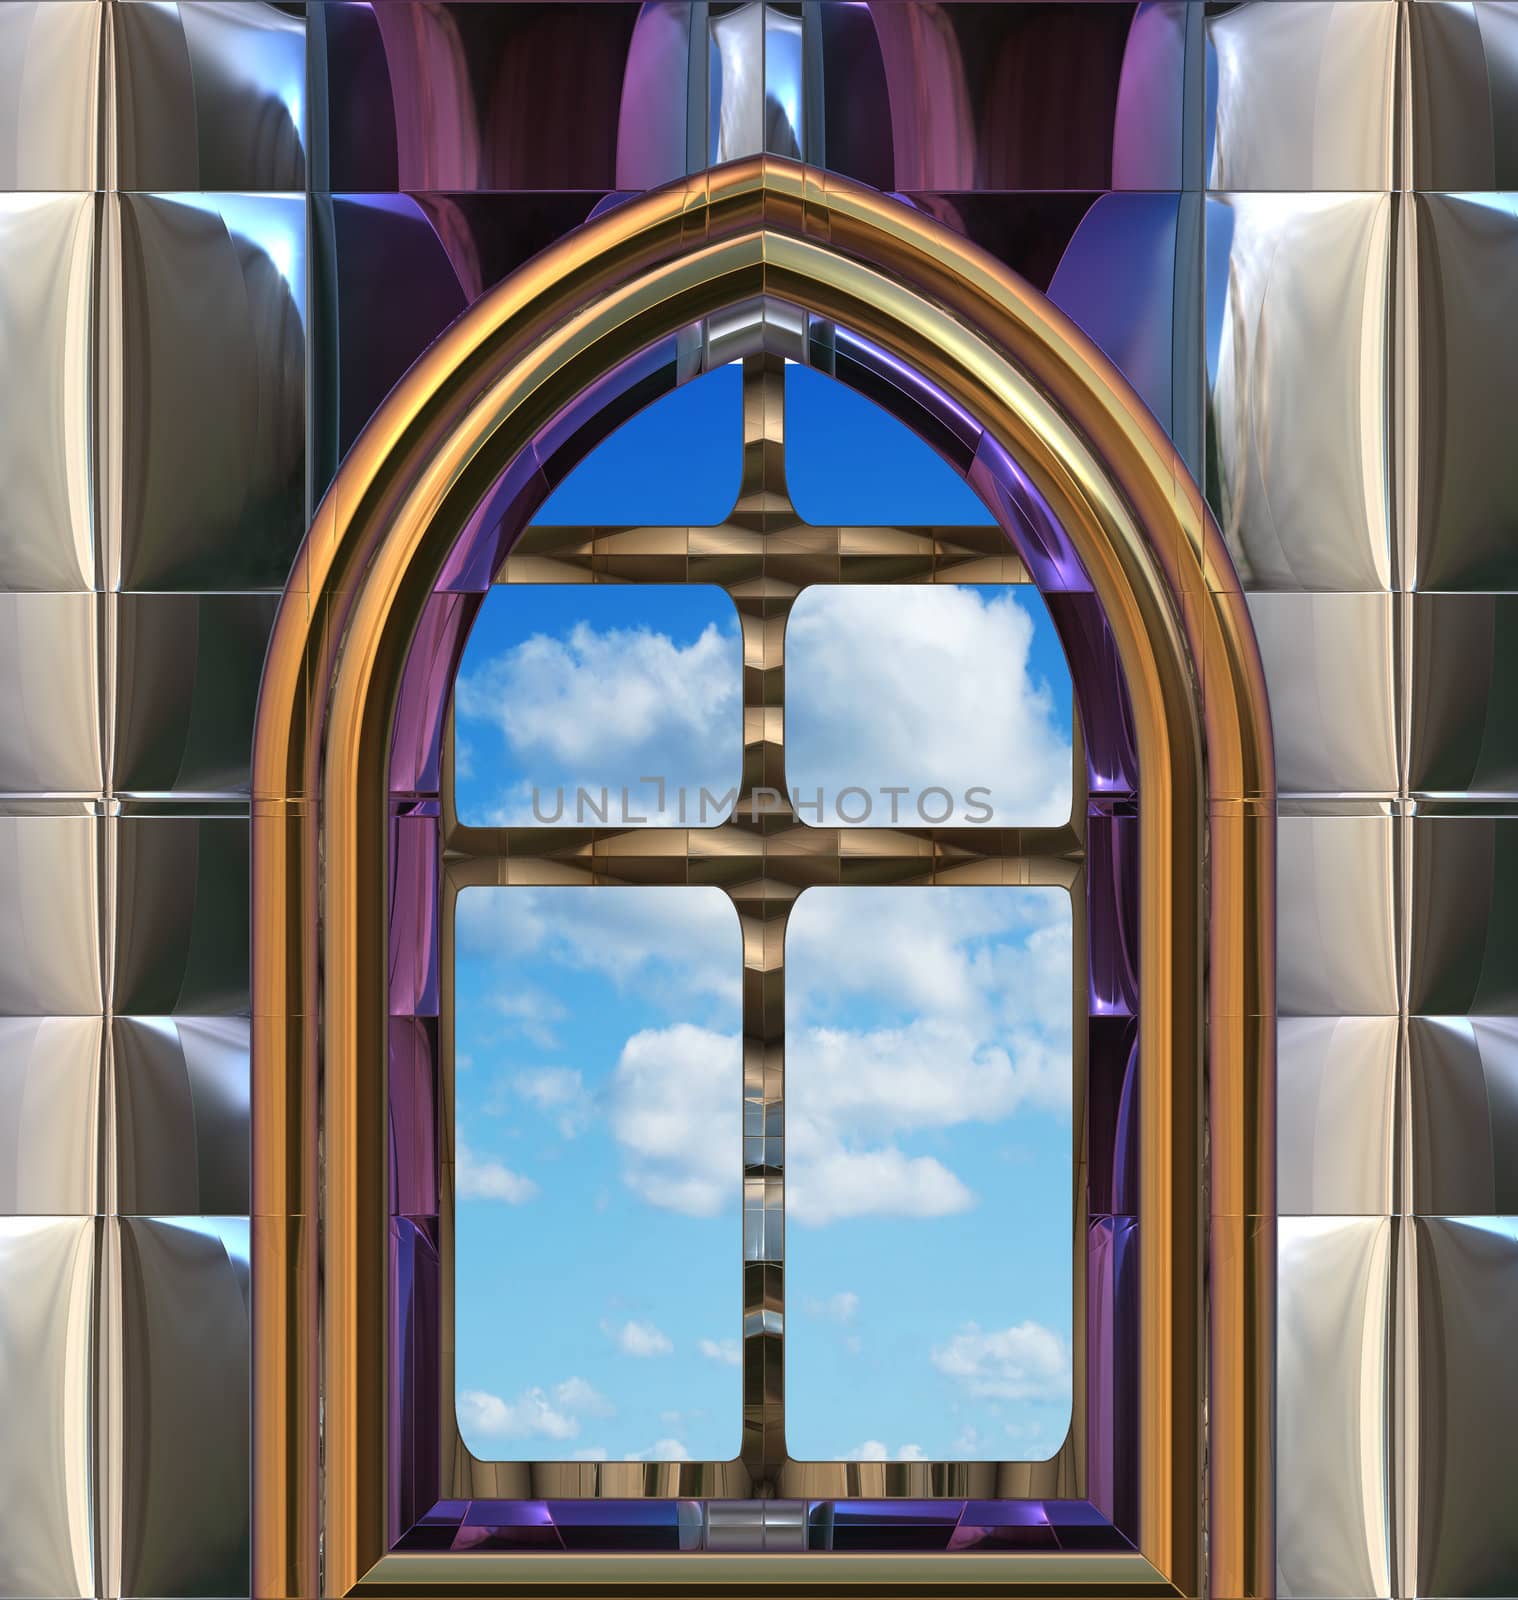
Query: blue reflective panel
x=678 y=462
x=598 y=1109
x=849 y=461
x=929 y=1174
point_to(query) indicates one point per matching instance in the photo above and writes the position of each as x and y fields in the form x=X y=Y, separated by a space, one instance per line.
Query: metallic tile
x=491 y=95
x=187 y=674
x=49 y=93
x=1462 y=96
x=47 y=247
x=1306 y=95
x=1463 y=737
x=47 y=1355
x=1298 y=472
x=1467 y=1406
x=181 y=942
x=449 y=248
x=993 y=96
x=1462 y=362
x=184 y=1406
x=1328 y=665
x=1336 y=1104
x=1335 y=917
x=1463 y=1115
x=1464 y=917
x=212 y=490
x=50 y=947
x=1333 y=1391
x=209 y=94
x=735 y=83
x=181 y=1108
x=50 y=713
x=50 y=1115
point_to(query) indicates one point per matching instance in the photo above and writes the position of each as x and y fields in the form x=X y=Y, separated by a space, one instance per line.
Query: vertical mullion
x=763 y=907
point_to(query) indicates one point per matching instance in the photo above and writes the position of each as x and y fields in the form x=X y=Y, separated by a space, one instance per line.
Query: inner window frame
x=763 y=556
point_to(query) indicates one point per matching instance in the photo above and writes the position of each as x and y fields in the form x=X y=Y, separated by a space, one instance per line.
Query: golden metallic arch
x=1044 y=394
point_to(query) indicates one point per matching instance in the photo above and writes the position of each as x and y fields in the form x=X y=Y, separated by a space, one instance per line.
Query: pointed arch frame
x=472 y=424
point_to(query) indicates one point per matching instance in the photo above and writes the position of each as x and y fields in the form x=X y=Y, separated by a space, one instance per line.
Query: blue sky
x=597 y=1036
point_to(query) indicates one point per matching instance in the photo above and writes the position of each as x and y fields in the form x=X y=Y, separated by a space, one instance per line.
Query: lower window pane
x=598 y=1113
x=929 y=1174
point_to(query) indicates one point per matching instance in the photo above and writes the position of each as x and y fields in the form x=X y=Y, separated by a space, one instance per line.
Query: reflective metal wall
x=227 y=226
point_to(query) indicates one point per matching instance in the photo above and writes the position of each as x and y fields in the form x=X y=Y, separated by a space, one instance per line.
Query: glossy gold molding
x=1113 y=479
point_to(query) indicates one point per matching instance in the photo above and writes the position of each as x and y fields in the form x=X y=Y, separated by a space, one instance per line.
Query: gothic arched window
x=1162 y=1485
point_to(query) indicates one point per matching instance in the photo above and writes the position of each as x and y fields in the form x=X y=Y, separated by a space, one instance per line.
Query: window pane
x=957 y=695
x=676 y=463
x=849 y=461
x=930 y=1177
x=598 y=1112
x=570 y=693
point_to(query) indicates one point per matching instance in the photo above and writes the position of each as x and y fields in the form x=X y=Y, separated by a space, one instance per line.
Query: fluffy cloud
x=674 y=943
x=577 y=1395
x=641 y=1339
x=923 y=685
x=533 y=1414
x=559 y=1092
x=874 y=1450
x=606 y=707
x=481 y=1178
x=980 y=980
x=928 y=1074
x=532 y=1012
x=840 y=1307
x=853 y=1095
x=728 y=1351
x=661 y=1450
x=829 y=1183
x=677 y=1096
x=1025 y=1362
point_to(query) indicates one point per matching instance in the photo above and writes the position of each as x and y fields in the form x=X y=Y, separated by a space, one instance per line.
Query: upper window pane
x=676 y=463
x=929 y=1174
x=849 y=461
x=956 y=697
x=570 y=694
x=598 y=1090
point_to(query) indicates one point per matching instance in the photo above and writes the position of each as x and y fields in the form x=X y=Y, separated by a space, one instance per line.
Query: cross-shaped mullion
x=762 y=856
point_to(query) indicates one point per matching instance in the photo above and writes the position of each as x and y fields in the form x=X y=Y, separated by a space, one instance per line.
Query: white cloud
x=535 y=1413
x=830 y=1183
x=978 y=956
x=533 y=1012
x=874 y=1450
x=595 y=1452
x=561 y=1093
x=840 y=1307
x=728 y=1351
x=1025 y=1362
x=482 y=1178
x=640 y=1339
x=677 y=1097
x=661 y=1450
x=928 y=1074
x=981 y=981
x=485 y=1415
x=606 y=707
x=575 y=1394
x=923 y=685
x=672 y=943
